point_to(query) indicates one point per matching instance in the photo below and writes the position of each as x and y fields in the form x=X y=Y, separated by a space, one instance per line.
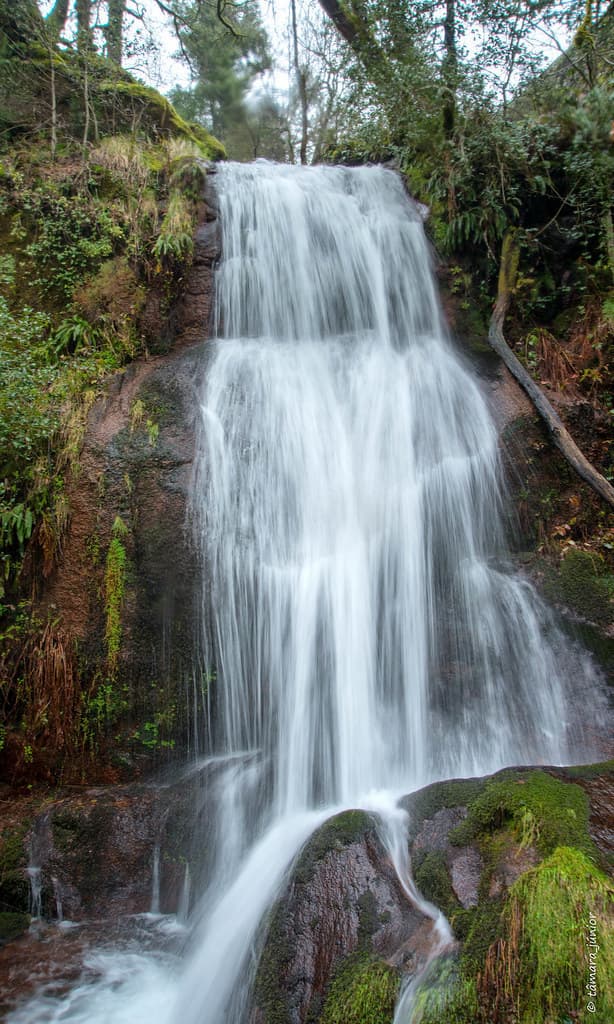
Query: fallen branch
x=554 y=424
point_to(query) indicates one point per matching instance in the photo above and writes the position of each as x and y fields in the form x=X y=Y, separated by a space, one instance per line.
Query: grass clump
x=364 y=991
x=175 y=242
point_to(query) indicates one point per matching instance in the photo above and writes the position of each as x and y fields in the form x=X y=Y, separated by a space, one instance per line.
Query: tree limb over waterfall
x=352 y=23
x=554 y=424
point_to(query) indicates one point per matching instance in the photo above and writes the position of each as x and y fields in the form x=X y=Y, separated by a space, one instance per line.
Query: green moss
x=477 y=928
x=14 y=889
x=114 y=588
x=540 y=809
x=585 y=584
x=564 y=910
x=336 y=833
x=12 y=925
x=364 y=991
x=433 y=880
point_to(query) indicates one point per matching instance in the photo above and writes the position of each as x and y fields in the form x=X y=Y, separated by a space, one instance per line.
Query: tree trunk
x=85 y=40
x=555 y=426
x=56 y=19
x=114 y=31
x=354 y=28
x=54 y=108
x=301 y=85
x=450 y=70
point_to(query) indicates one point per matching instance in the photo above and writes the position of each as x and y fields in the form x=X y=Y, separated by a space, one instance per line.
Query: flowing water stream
x=362 y=631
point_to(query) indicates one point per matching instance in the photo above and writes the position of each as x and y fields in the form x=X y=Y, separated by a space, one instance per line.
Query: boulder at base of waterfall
x=341 y=933
x=521 y=863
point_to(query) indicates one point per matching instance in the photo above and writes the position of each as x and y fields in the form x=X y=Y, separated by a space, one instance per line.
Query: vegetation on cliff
x=100 y=185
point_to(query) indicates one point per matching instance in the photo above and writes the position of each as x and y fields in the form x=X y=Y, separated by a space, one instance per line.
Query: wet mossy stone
x=542 y=810
x=12 y=925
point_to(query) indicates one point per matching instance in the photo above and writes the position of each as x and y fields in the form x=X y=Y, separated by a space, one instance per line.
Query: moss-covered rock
x=342 y=916
x=542 y=810
x=336 y=833
x=527 y=949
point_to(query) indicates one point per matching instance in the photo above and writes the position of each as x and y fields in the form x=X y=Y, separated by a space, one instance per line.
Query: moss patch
x=12 y=925
x=432 y=877
x=540 y=809
x=364 y=991
x=14 y=889
x=114 y=588
x=585 y=585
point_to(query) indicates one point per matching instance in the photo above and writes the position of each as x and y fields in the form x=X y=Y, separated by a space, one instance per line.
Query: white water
x=362 y=633
x=363 y=627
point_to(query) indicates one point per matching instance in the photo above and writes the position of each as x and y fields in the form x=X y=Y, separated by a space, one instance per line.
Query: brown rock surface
x=343 y=898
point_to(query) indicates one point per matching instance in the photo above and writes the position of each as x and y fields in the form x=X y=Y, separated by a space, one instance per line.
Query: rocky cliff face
x=123 y=589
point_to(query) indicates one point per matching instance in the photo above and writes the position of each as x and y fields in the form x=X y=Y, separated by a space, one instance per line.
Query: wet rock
x=466 y=870
x=92 y=853
x=343 y=900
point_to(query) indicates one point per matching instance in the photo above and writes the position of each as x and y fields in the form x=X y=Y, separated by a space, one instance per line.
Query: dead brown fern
x=497 y=983
x=554 y=365
x=51 y=692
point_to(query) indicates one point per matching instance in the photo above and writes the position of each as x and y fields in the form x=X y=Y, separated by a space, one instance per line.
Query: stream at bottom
x=136 y=971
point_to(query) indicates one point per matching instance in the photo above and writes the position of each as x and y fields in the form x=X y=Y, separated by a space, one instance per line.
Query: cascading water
x=362 y=633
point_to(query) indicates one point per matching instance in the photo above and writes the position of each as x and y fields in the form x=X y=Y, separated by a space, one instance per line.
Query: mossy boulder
x=544 y=838
x=339 y=932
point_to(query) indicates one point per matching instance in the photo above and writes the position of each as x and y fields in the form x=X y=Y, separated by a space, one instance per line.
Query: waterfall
x=359 y=616
x=363 y=632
